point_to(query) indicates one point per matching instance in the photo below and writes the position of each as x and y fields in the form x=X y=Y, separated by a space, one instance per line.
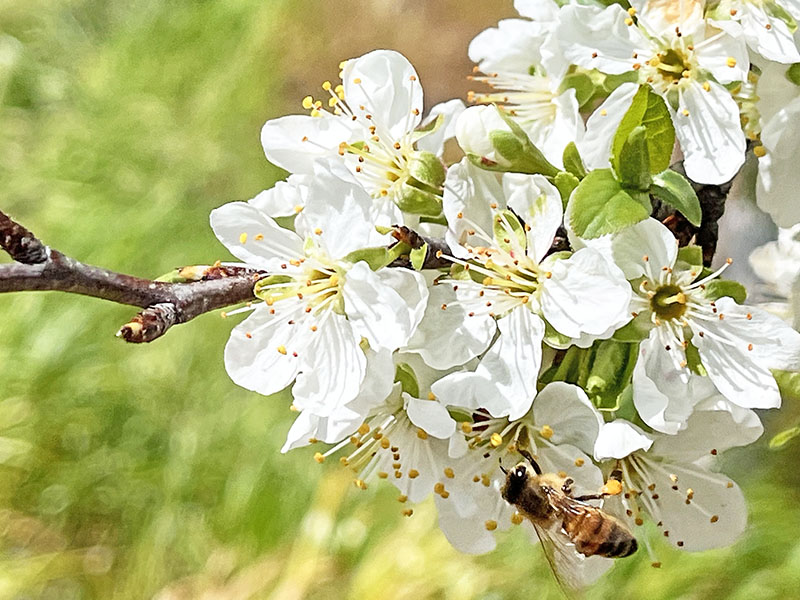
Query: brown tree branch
x=40 y=268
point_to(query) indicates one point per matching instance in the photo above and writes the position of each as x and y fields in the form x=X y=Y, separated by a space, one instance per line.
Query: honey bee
x=571 y=530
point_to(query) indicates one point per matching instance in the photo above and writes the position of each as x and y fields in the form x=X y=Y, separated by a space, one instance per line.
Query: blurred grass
x=134 y=472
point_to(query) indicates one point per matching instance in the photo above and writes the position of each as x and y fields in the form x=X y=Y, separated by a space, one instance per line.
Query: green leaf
x=793 y=74
x=379 y=257
x=582 y=83
x=599 y=205
x=417 y=256
x=516 y=147
x=674 y=189
x=611 y=371
x=635 y=331
x=428 y=128
x=565 y=183
x=779 y=440
x=503 y=236
x=408 y=379
x=788 y=384
x=419 y=202
x=649 y=110
x=573 y=162
x=427 y=169
x=634 y=161
x=693 y=360
x=691 y=256
x=717 y=288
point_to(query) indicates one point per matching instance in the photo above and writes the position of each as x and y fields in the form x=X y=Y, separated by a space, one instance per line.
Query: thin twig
x=40 y=268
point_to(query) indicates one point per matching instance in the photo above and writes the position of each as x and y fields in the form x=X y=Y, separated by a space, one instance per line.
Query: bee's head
x=516 y=480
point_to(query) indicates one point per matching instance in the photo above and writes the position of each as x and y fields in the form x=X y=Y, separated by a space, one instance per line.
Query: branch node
x=149 y=324
x=21 y=244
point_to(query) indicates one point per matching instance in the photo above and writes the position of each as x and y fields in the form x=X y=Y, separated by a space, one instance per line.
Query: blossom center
x=315 y=284
x=669 y=302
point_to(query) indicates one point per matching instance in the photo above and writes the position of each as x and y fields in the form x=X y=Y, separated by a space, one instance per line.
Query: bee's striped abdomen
x=596 y=533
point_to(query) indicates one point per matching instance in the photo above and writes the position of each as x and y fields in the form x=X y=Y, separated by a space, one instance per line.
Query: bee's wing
x=572 y=570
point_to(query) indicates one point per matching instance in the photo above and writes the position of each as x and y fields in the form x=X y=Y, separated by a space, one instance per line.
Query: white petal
x=511 y=46
x=537 y=202
x=468 y=191
x=430 y=416
x=255 y=362
x=566 y=409
x=714 y=55
x=620 y=438
x=462 y=336
x=690 y=525
x=253 y=237
x=294 y=142
x=473 y=131
x=566 y=458
x=585 y=295
x=332 y=367
x=388 y=87
x=308 y=426
x=377 y=310
x=648 y=238
x=434 y=142
x=567 y=126
x=775 y=192
x=742 y=375
x=468 y=535
x=512 y=364
x=707 y=126
x=545 y=11
x=715 y=426
x=504 y=382
x=595 y=147
x=284 y=199
x=768 y=35
x=662 y=393
x=600 y=39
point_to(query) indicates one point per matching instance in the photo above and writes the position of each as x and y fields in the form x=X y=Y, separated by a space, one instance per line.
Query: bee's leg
x=591 y=497
x=567 y=487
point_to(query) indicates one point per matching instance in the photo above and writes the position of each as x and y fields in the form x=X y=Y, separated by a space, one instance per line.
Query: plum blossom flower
x=666 y=478
x=500 y=232
x=775 y=190
x=778 y=265
x=559 y=431
x=737 y=344
x=403 y=438
x=766 y=26
x=524 y=68
x=684 y=60
x=369 y=122
x=318 y=304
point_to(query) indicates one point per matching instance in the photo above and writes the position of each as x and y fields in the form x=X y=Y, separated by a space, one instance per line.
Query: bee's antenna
x=505 y=472
x=536 y=468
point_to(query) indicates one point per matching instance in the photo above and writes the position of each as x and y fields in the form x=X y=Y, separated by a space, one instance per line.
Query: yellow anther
x=466 y=427
x=449 y=473
x=326 y=85
x=242 y=238
x=363 y=429
x=628 y=21
x=282 y=349
x=258 y=237
x=308 y=102
x=546 y=432
x=731 y=62
x=402 y=498
x=496 y=440
x=298 y=209
x=759 y=151
x=344 y=461
x=431 y=396
x=438 y=488
x=631 y=11
x=579 y=462
x=490 y=525
x=516 y=518
x=706 y=86
x=422 y=434
x=413 y=474
x=612 y=487
x=408 y=512
x=319 y=457
x=685 y=112
x=318 y=231
x=360 y=484
x=385 y=443
x=383 y=474
x=357 y=80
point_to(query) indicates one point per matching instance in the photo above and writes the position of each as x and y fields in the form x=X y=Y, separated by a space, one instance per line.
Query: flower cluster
x=435 y=320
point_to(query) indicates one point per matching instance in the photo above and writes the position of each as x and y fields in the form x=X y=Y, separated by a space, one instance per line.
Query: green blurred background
x=139 y=472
